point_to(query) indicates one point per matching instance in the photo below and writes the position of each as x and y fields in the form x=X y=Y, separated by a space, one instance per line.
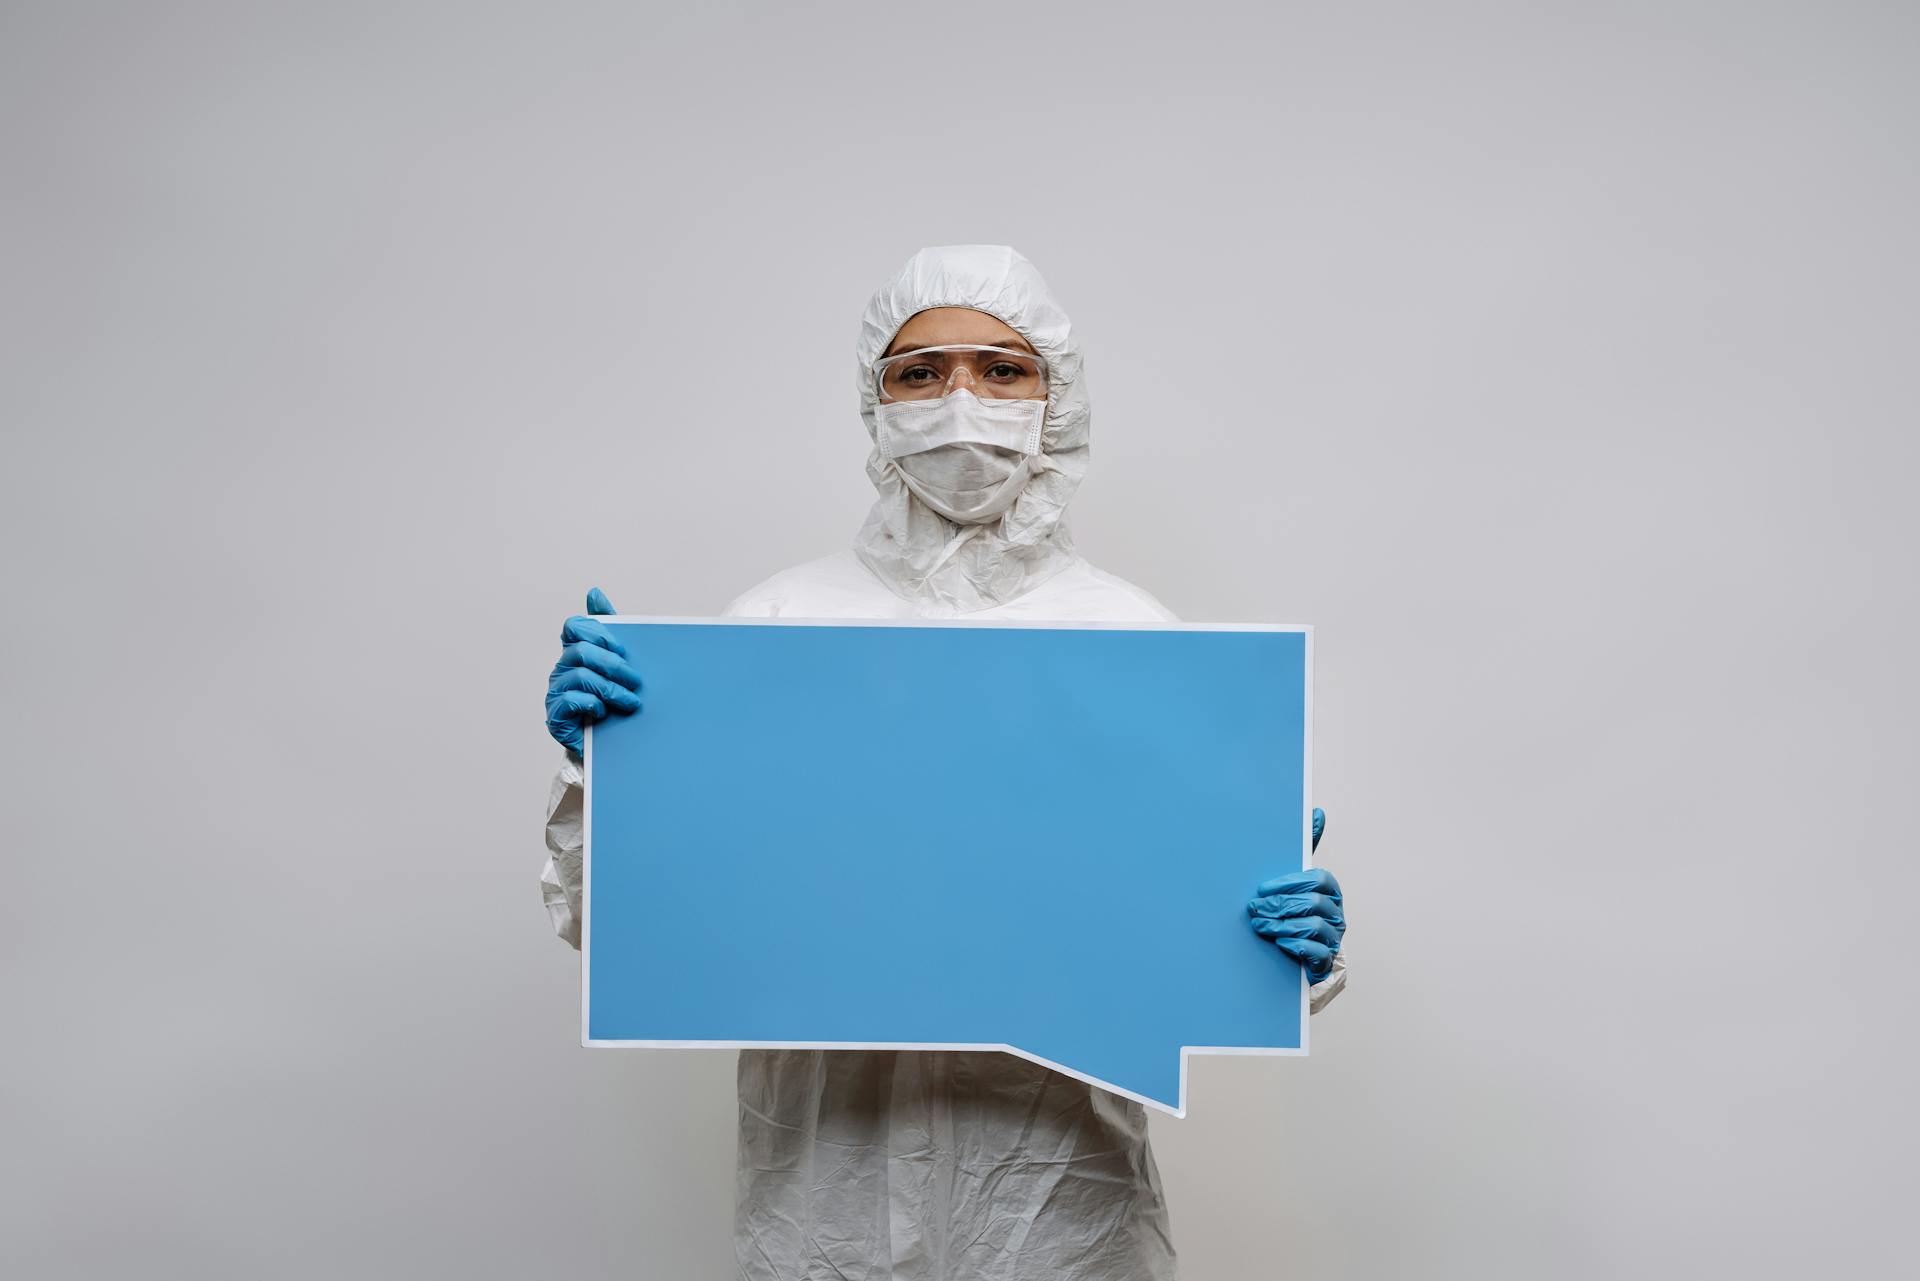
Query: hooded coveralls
x=875 y=1165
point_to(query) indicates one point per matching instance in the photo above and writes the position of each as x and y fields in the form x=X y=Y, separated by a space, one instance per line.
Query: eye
x=916 y=373
x=1005 y=370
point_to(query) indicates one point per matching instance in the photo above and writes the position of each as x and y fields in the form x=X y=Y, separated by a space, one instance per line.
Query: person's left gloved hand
x=1302 y=913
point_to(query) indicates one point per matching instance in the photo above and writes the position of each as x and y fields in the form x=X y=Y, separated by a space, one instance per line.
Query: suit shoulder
x=820 y=587
x=1138 y=599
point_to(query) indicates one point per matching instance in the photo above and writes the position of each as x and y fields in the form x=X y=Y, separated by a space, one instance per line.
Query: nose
x=961 y=370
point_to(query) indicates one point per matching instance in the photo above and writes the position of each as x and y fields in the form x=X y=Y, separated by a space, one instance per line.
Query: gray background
x=1556 y=361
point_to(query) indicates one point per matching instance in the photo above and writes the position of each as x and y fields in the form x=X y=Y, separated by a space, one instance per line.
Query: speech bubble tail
x=1151 y=1077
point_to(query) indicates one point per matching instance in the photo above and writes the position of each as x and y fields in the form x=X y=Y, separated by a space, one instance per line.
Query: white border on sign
x=1306 y=845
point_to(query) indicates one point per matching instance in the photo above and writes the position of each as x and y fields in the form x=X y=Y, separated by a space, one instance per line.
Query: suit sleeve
x=560 y=878
x=1323 y=992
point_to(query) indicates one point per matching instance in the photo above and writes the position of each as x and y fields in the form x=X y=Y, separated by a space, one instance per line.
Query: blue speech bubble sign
x=950 y=836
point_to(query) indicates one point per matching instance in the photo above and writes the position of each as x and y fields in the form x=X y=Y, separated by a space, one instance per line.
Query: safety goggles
x=991 y=373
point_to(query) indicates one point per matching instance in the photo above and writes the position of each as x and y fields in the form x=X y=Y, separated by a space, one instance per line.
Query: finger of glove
x=1284 y=907
x=597 y=602
x=568 y=735
x=1319 y=825
x=595 y=659
x=1317 y=928
x=574 y=707
x=1312 y=880
x=618 y=698
x=1287 y=907
x=1317 y=958
x=581 y=628
x=567 y=712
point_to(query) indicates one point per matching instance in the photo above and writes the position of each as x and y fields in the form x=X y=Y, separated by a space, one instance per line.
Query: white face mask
x=966 y=458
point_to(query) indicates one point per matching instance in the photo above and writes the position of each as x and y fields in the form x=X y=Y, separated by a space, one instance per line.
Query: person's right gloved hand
x=592 y=677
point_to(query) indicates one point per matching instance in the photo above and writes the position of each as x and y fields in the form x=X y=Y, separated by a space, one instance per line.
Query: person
x=914 y=1165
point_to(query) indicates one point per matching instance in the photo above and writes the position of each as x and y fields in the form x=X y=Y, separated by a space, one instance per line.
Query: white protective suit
x=864 y=1165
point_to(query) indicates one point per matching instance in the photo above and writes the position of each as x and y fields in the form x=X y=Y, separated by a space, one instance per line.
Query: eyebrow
x=1015 y=343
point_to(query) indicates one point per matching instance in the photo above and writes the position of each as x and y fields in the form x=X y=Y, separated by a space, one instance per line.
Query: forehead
x=938 y=326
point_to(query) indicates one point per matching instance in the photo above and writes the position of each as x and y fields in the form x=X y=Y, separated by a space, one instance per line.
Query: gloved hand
x=1302 y=913
x=592 y=677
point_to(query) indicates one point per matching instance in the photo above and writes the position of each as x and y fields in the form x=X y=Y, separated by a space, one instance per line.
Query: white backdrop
x=1556 y=361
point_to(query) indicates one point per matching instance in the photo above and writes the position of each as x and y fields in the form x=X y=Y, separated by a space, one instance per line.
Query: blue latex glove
x=592 y=677
x=1302 y=913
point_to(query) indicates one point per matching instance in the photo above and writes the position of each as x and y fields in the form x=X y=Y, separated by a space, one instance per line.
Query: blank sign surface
x=1036 y=839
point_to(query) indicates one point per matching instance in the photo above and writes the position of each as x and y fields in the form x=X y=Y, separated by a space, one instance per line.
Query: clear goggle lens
x=991 y=373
